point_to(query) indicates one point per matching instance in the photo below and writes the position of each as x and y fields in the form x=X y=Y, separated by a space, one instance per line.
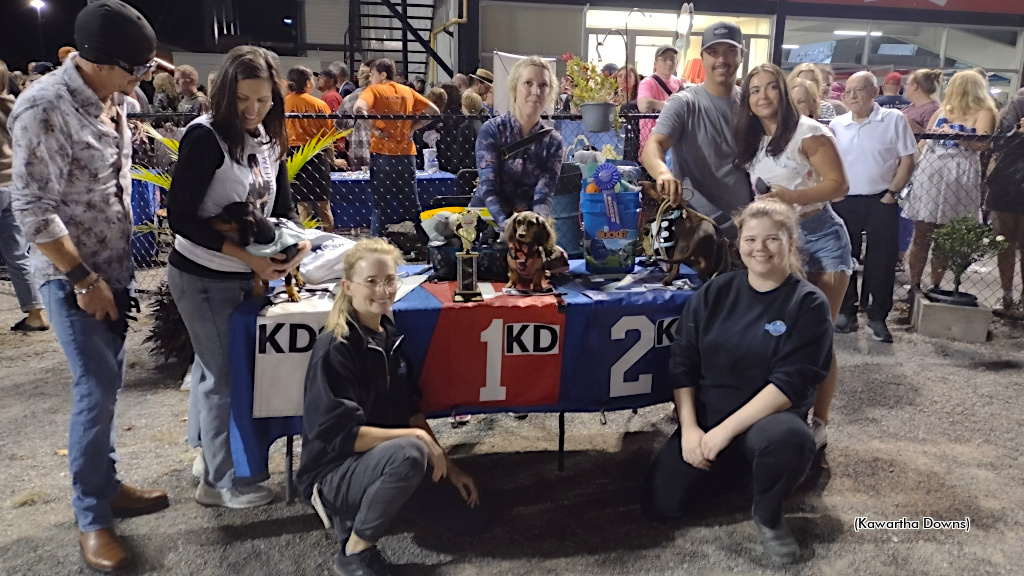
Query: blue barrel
x=609 y=251
x=565 y=210
x=144 y=248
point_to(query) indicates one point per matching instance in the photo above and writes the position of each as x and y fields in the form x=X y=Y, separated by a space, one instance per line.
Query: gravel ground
x=920 y=428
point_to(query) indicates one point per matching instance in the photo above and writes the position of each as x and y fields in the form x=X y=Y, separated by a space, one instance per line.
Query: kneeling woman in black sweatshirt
x=749 y=352
x=368 y=454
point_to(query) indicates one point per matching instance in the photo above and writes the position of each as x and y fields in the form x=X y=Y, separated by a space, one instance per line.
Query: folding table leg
x=289 y=482
x=561 y=441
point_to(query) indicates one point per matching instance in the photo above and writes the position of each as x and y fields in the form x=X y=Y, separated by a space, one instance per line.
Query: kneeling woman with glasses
x=368 y=454
x=749 y=351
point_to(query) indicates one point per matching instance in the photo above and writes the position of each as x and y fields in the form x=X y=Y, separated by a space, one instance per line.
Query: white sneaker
x=820 y=431
x=241 y=497
x=198 y=467
x=186 y=382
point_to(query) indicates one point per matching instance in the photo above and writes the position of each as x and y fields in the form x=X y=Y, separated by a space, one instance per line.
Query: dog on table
x=531 y=243
x=244 y=224
x=698 y=242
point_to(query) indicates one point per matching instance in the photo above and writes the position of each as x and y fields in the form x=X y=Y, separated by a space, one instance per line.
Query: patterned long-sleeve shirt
x=527 y=181
x=71 y=175
x=359 y=139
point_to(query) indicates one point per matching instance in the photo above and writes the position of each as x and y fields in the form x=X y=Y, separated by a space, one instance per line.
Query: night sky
x=178 y=23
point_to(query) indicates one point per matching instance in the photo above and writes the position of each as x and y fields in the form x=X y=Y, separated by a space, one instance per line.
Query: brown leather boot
x=135 y=502
x=104 y=551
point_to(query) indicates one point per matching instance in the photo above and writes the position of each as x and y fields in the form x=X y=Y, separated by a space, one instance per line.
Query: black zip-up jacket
x=348 y=385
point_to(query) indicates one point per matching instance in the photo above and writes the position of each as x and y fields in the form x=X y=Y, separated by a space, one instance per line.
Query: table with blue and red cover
x=585 y=350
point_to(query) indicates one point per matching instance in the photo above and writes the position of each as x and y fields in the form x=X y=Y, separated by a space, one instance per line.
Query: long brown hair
x=747 y=128
x=247 y=63
x=783 y=215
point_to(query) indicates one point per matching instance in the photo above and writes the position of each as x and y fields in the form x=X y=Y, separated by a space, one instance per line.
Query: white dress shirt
x=871 y=150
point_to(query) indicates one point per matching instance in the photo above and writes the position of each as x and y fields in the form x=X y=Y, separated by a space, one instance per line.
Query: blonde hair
x=808 y=67
x=520 y=67
x=785 y=217
x=472 y=102
x=808 y=86
x=967 y=94
x=438 y=97
x=187 y=71
x=337 y=320
x=210 y=79
x=927 y=80
x=164 y=82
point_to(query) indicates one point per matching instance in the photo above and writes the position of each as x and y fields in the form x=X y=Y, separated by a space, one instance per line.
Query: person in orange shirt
x=312 y=185
x=392 y=152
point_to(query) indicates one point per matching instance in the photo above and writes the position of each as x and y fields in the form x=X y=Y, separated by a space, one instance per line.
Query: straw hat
x=483 y=75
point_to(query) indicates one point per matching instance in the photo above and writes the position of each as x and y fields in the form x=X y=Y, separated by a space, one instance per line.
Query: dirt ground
x=920 y=428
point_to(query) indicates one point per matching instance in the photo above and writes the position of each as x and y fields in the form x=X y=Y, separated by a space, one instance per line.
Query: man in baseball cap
x=891 y=97
x=696 y=125
x=80 y=223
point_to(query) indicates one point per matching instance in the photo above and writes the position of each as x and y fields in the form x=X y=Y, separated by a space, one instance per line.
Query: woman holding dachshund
x=234 y=154
x=368 y=454
x=527 y=180
x=750 y=349
x=796 y=158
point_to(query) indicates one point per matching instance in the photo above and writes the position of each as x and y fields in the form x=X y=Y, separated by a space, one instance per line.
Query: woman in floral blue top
x=527 y=181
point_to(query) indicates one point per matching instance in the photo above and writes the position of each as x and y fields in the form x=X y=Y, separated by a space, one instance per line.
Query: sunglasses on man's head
x=137 y=71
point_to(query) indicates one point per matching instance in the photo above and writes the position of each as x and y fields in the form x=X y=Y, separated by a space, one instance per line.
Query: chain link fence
x=358 y=194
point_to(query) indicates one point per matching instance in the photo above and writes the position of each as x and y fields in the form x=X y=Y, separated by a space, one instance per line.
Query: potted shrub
x=960 y=243
x=951 y=313
x=593 y=94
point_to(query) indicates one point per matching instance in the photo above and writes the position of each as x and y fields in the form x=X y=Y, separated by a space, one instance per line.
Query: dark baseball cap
x=663 y=49
x=722 y=32
x=327 y=73
x=111 y=32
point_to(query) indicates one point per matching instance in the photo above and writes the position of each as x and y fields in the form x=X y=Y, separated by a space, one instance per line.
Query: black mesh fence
x=357 y=193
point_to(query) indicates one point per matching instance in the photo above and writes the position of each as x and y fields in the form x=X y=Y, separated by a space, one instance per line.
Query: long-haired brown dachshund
x=243 y=224
x=531 y=242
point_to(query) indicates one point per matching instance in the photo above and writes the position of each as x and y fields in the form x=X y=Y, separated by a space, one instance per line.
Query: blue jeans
x=15 y=253
x=206 y=306
x=95 y=351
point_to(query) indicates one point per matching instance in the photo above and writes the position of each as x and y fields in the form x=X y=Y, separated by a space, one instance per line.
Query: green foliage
x=964 y=241
x=312 y=148
x=158 y=177
x=591 y=84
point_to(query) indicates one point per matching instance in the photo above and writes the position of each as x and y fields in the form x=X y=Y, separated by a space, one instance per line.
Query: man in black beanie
x=72 y=153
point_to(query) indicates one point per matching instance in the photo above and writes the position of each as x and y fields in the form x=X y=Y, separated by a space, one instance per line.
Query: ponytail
x=337 y=320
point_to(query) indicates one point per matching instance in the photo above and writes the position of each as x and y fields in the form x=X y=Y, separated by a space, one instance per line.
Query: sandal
x=23 y=326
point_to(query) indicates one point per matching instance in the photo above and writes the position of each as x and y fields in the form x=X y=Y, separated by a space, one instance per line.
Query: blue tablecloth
x=613 y=343
x=144 y=205
x=352 y=200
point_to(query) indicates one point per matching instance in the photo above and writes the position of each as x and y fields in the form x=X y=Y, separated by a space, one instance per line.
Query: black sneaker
x=846 y=323
x=369 y=562
x=879 y=331
x=779 y=542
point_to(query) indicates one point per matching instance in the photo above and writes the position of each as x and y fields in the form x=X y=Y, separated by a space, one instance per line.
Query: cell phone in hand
x=761 y=187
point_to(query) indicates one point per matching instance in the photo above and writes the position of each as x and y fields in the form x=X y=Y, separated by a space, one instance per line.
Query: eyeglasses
x=137 y=71
x=387 y=284
x=856 y=91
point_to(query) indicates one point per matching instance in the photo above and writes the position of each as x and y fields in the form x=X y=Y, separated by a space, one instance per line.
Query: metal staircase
x=399 y=30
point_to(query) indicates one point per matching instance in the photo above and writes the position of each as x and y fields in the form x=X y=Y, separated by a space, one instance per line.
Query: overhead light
x=854 y=33
x=790 y=46
x=995 y=91
x=37 y=4
x=288 y=21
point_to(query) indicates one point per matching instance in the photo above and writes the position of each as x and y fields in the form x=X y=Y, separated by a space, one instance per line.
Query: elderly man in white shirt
x=877 y=147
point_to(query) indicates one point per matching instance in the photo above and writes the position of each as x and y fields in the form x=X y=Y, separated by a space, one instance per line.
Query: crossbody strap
x=520 y=145
x=662 y=84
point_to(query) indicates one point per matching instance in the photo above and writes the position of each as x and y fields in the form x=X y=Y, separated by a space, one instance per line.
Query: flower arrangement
x=962 y=242
x=591 y=85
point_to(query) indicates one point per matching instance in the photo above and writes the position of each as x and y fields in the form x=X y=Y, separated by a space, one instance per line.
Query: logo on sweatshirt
x=777 y=328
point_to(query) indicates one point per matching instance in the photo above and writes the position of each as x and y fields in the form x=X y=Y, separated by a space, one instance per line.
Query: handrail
x=432 y=70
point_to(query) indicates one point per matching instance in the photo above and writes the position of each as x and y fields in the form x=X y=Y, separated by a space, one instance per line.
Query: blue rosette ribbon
x=607 y=177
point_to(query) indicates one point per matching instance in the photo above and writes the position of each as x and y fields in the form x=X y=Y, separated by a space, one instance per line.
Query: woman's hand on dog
x=435 y=455
x=271 y=269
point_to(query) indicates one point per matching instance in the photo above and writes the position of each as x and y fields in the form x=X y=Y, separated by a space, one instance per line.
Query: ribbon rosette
x=606 y=176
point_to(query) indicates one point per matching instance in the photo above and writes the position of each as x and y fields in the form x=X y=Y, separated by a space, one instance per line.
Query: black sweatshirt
x=199 y=157
x=732 y=341
x=365 y=380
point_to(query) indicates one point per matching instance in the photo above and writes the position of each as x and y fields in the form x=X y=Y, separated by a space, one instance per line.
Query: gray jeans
x=15 y=253
x=206 y=306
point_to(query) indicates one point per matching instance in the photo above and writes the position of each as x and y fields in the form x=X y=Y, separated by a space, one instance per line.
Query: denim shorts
x=825 y=243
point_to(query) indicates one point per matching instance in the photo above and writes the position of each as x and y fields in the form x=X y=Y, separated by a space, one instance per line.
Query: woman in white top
x=794 y=158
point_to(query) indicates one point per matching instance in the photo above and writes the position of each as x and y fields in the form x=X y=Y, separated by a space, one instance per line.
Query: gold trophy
x=467 y=289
